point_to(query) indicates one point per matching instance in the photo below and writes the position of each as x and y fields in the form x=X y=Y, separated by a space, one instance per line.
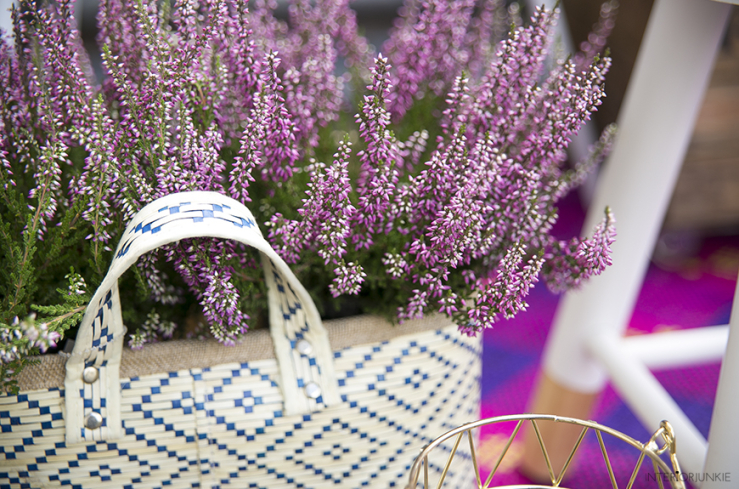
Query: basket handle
x=92 y=383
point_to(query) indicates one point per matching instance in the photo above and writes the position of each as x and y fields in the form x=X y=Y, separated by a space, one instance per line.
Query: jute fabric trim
x=172 y=356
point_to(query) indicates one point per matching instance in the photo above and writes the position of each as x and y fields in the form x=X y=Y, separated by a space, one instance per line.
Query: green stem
x=71 y=313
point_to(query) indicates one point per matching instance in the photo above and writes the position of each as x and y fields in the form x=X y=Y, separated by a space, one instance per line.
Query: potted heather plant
x=420 y=180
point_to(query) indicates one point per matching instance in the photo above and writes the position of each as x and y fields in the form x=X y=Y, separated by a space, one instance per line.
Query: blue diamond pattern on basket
x=224 y=426
x=312 y=417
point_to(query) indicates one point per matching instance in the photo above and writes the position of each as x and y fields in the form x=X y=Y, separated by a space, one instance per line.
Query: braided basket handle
x=92 y=384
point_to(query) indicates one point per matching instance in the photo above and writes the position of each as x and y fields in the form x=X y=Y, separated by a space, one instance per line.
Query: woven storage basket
x=345 y=405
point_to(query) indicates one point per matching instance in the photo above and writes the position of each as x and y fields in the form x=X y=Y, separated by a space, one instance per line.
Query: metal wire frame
x=650 y=449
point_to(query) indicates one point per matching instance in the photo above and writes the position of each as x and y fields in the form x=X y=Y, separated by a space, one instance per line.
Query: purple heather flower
x=396 y=265
x=411 y=151
x=427 y=49
x=450 y=304
x=286 y=237
x=570 y=98
x=446 y=173
x=268 y=140
x=325 y=219
x=14 y=113
x=77 y=285
x=485 y=30
x=327 y=212
x=236 y=43
x=505 y=295
x=569 y=263
x=314 y=93
x=598 y=36
x=278 y=148
x=505 y=91
x=577 y=175
x=271 y=34
x=333 y=18
x=379 y=175
x=18 y=339
x=203 y=264
x=417 y=304
x=349 y=279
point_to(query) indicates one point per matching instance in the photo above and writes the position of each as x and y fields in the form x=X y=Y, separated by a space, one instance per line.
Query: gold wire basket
x=651 y=450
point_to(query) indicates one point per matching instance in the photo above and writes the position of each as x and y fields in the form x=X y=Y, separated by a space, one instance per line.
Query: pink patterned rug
x=696 y=291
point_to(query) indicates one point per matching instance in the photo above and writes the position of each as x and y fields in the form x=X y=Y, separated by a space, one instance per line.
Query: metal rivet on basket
x=93 y=421
x=304 y=347
x=313 y=390
x=90 y=374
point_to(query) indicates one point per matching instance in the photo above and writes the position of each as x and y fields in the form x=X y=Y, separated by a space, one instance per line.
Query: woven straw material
x=224 y=424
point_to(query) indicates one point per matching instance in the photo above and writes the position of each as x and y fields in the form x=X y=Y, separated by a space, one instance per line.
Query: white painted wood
x=6 y=22
x=649 y=401
x=681 y=348
x=579 y=147
x=723 y=450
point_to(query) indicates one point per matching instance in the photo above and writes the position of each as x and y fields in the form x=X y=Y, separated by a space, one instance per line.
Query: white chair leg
x=722 y=461
x=657 y=117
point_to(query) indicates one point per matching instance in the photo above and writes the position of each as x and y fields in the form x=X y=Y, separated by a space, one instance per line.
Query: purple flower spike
x=326 y=214
x=570 y=263
x=203 y=265
x=427 y=47
x=379 y=174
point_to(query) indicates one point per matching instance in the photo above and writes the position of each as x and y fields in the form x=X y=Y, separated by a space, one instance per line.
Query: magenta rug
x=696 y=291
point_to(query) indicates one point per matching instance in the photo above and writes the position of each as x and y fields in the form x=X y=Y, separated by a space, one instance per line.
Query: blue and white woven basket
x=303 y=406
